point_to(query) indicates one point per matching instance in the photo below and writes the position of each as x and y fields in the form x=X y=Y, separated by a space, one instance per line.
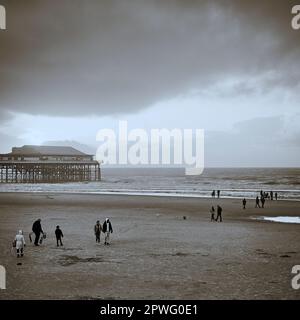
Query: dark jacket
x=98 y=228
x=59 y=233
x=107 y=227
x=36 y=227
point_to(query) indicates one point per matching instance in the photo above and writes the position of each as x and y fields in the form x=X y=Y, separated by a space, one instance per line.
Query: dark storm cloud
x=103 y=57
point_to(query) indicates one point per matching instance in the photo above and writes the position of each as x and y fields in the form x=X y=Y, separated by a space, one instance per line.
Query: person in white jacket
x=20 y=243
x=107 y=229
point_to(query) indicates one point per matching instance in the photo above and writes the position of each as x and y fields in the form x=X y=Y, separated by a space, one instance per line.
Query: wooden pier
x=36 y=164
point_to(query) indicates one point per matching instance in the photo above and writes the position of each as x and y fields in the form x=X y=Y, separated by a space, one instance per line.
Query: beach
x=154 y=254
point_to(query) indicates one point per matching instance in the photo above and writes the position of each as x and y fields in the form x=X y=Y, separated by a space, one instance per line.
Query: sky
x=69 y=68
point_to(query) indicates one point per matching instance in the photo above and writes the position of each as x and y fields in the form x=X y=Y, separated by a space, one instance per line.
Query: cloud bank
x=73 y=58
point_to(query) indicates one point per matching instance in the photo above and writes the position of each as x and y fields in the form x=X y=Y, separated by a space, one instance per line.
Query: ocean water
x=233 y=183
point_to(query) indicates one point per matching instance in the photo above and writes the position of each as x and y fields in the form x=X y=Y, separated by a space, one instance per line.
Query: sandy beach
x=154 y=252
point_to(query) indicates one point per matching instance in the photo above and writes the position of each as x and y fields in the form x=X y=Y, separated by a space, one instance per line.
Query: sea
x=232 y=183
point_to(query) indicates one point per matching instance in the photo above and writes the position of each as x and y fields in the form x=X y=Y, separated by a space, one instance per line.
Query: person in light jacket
x=20 y=244
x=107 y=229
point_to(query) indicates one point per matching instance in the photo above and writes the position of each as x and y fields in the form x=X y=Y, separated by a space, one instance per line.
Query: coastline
x=146 y=194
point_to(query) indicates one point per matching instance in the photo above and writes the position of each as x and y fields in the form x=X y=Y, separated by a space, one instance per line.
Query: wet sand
x=154 y=252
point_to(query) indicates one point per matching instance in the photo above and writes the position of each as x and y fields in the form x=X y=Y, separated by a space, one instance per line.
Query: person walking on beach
x=59 y=235
x=276 y=196
x=37 y=230
x=244 y=203
x=261 y=193
x=219 y=213
x=19 y=242
x=212 y=211
x=97 y=231
x=263 y=200
x=271 y=194
x=257 y=202
x=107 y=229
x=213 y=194
x=218 y=193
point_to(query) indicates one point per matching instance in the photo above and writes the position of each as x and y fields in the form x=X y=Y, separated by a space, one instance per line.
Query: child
x=59 y=235
x=20 y=244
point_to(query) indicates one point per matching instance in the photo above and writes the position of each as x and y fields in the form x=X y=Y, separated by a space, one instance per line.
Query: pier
x=48 y=164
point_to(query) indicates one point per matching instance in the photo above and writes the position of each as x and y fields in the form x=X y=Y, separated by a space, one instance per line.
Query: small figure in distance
x=244 y=203
x=257 y=202
x=59 y=235
x=212 y=212
x=263 y=200
x=219 y=213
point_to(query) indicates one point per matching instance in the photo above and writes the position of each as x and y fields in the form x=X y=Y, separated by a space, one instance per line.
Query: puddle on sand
x=283 y=219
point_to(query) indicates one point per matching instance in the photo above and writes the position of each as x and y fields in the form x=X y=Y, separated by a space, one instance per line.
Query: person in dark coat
x=59 y=235
x=213 y=194
x=218 y=192
x=219 y=213
x=244 y=203
x=212 y=211
x=257 y=202
x=37 y=230
x=97 y=231
x=276 y=196
x=107 y=229
x=263 y=200
x=271 y=194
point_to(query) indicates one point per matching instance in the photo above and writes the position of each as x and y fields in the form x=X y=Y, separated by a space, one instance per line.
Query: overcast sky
x=69 y=68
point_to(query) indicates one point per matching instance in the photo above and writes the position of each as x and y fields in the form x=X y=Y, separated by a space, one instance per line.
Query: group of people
x=259 y=203
x=19 y=241
x=263 y=197
x=270 y=196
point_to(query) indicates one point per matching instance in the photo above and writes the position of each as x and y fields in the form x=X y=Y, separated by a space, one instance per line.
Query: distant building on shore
x=47 y=164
